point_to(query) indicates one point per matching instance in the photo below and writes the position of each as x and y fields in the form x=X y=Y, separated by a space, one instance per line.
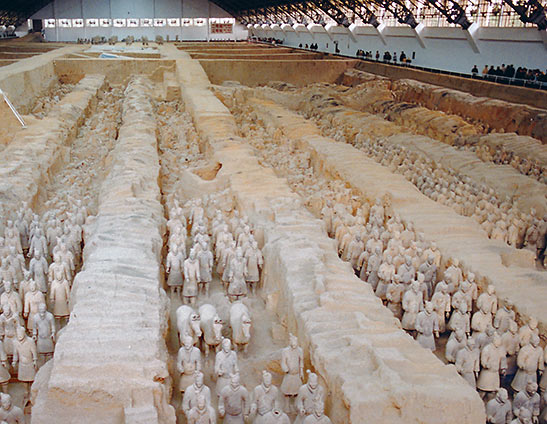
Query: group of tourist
x=509 y=71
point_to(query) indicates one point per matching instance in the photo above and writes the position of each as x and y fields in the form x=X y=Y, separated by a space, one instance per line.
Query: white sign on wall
x=146 y=22
x=93 y=23
x=173 y=22
x=159 y=22
x=105 y=22
x=49 y=23
x=119 y=22
x=132 y=23
x=77 y=23
x=65 y=23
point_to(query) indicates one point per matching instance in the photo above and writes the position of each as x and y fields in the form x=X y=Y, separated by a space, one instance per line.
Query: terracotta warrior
x=412 y=305
x=59 y=297
x=427 y=327
x=529 y=361
x=255 y=262
x=308 y=394
x=11 y=299
x=44 y=333
x=276 y=416
x=455 y=343
x=192 y=392
x=225 y=365
x=202 y=412
x=524 y=416
x=264 y=397
x=394 y=296
x=467 y=362
x=188 y=362
x=191 y=278
x=10 y=413
x=174 y=263
x=318 y=416
x=233 y=402
x=441 y=304
x=493 y=363
x=529 y=399
x=498 y=409
x=205 y=258
x=25 y=358
x=292 y=364
x=237 y=286
x=33 y=299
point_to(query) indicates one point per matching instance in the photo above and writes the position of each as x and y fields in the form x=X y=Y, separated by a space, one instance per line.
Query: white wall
x=446 y=48
x=86 y=9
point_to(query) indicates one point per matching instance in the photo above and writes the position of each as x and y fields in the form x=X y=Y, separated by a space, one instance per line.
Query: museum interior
x=273 y=211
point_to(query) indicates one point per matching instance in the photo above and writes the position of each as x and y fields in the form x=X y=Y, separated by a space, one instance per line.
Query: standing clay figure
x=429 y=270
x=11 y=299
x=488 y=301
x=188 y=362
x=4 y=369
x=510 y=341
x=10 y=413
x=394 y=296
x=191 y=278
x=493 y=363
x=407 y=271
x=9 y=323
x=255 y=261
x=33 y=299
x=427 y=327
x=39 y=268
x=504 y=316
x=467 y=362
x=373 y=266
x=529 y=399
x=202 y=413
x=238 y=270
x=482 y=320
x=385 y=275
x=527 y=331
x=265 y=396
x=205 y=258
x=524 y=416
x=441 y=304
x=529 y=360
x=308 y=394
x=498 y=409
x=233 y=402
x=225 y=365
x=25 y=358
x=318 y=416
x=59 y=297
x=174 y=263
x=292 y=364
x=455 y=342
x=44 y=333
x=460 y=319
x=412 y=305
x=192 y=392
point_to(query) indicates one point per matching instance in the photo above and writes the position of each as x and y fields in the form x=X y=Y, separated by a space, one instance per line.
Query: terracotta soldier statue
x=292 y=364
x=498 y=409
x=33 y=299
x=202 y=412
x=412 y=305
x=394 y=296
x=225 y=365
x=59 y=297
x=467 y=362
x=238 y=270
x=264 y=398
x=174 y=263
x=192 y=392
x=528 y=398
x=318 y=416
x=11 y=299
x=10 y=413
x=427 y=327
x=191 y=278
x=233 y=402
x=188 y=362
x=205 y=258
x=255 y=261
x=529 y=360
x=308 y=394
x=276 y=416
x=25 y=358
x=493 y=363
x=456 y=341
x=44 y=333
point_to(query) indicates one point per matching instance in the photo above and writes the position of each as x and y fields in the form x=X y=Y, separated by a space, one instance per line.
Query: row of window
x=133 y=22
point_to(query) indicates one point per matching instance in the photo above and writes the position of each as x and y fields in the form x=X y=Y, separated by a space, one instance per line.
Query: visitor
x=475 y=70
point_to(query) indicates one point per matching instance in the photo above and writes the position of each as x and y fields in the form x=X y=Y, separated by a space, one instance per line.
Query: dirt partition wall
x=373 y=370
x=261 y=72
x=117 y=71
